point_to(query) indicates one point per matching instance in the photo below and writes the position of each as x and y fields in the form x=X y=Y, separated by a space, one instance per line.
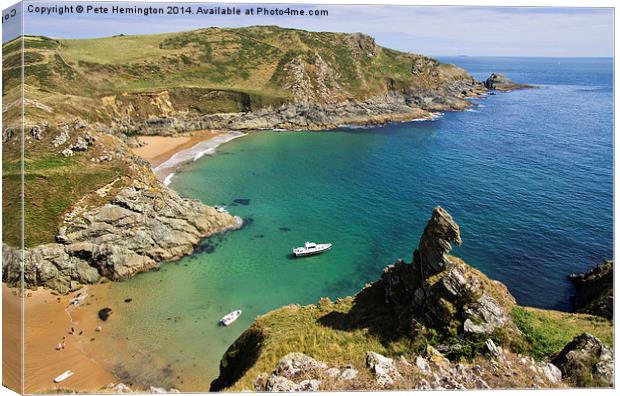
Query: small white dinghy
x=79 y=299
x=63 y=376
x=311 y=248
x=231 y=317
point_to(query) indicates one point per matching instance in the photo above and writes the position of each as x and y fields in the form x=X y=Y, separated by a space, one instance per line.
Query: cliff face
x=595 y=290
x=435 y=323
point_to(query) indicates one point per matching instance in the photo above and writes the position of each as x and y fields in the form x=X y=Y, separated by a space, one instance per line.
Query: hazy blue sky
x=442 y=30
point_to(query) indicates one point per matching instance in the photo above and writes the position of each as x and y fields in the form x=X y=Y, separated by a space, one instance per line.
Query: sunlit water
x=527 y=175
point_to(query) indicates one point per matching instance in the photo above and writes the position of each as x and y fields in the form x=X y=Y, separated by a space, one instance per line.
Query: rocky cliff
x=114 y=218
x=434 y=323
x=595 y=290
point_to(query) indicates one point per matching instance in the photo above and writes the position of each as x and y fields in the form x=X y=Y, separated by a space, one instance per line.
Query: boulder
x=277 y=383
x=586 y=361
x=348 y=374
x=383 y=367
x=296 y=363
x=310 y=385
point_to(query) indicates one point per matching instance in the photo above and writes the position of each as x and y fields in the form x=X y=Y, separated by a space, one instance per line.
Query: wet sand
x=11 y=339
x=158 y=149
x=46 y=321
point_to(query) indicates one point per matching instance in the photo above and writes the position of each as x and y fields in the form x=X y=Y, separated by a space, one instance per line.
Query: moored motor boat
x=311 y=248
x=63 y=376
x=231 y=317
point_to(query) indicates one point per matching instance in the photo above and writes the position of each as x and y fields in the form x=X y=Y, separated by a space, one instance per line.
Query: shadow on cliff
x=239 y=358
x=370 y=312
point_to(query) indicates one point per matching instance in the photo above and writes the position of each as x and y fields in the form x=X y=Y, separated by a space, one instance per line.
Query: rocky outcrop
x=500 y=82
x=142 y=226
x=595 y=290
x=586 y=362
x=443 y=292
x=309 y=115
x=436 y=242
x=428 y=371
x=383 y=368
x=293 y=373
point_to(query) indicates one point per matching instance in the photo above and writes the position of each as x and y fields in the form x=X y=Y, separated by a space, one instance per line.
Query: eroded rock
x=443 y=292
x=586 y=361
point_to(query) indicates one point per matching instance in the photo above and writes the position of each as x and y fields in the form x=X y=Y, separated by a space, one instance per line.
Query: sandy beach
x=46 y=321
x=167 y=153
x=158 y=149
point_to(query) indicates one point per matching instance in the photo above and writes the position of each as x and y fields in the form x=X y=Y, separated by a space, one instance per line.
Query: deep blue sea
x=527 y=174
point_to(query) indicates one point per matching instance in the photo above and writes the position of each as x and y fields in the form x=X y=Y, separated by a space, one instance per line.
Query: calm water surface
x=527 y=175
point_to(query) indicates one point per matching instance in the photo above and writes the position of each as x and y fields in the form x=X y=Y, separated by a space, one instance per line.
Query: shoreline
x=157 y=149
x=48 y=321
x=193 y=148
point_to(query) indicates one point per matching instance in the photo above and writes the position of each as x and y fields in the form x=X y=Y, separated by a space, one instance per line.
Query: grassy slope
x=549 y=331
x=248 y=60
x=341 y=332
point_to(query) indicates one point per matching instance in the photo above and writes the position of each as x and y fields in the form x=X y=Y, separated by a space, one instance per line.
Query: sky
x=430 y=30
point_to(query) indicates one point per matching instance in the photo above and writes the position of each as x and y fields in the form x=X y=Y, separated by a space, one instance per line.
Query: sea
x=527 y=174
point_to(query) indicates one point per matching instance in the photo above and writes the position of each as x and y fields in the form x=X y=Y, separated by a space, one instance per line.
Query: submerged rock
x=104 y=313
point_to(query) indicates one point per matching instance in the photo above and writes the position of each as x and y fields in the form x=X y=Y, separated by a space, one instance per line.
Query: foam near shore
x=165 y=171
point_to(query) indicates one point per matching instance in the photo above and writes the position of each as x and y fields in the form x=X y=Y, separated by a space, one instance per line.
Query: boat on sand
x=311 y=248
x=63 y=376
x=231 y=317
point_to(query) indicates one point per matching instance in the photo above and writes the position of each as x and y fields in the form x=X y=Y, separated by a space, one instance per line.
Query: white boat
x=231 y=317
x=310 y=248
x=63 y=376
x=221 y=209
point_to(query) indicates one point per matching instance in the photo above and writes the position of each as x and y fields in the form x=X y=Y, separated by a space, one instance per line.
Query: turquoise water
x=527 y=175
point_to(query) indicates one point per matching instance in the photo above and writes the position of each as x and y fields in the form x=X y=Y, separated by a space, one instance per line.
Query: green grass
x=52 y=185
x=342 y=332
x=549 y=331
x=117 y=50
x=337 y=333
